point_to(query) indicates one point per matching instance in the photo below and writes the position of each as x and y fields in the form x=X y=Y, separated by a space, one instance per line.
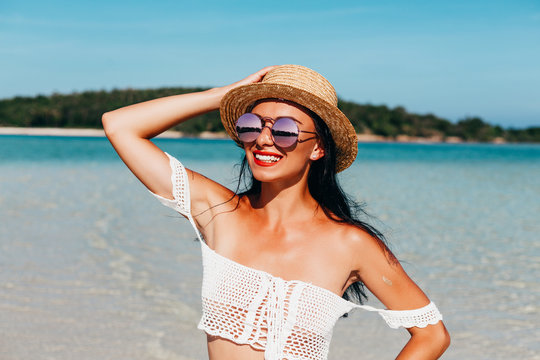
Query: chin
x=276 y=172
x=265 y=174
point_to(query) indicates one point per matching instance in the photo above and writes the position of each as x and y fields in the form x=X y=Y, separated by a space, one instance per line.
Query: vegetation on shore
x=84 y=110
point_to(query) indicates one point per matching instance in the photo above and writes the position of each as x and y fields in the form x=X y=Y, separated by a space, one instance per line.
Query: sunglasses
x=284 y=130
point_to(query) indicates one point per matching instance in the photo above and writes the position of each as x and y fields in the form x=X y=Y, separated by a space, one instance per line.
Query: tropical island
x=372 y=122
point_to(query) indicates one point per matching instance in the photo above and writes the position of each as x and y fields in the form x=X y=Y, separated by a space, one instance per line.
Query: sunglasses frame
x=265 y=119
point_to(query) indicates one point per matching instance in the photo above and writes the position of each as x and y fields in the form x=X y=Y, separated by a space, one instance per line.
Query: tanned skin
x=325 y=253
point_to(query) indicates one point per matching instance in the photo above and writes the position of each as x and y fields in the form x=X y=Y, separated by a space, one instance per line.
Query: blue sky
x=452 y=58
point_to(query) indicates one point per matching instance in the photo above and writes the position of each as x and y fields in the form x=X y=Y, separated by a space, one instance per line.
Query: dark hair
x=326 y=190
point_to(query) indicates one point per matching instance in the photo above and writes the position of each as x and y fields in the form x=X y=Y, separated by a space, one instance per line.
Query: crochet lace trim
x=422 y=317
x=287 y=319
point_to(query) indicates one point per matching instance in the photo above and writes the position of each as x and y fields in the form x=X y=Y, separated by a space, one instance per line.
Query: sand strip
x=70 y=132
x=171 y=134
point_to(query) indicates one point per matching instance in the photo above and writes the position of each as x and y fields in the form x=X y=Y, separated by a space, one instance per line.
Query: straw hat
x=305 y=87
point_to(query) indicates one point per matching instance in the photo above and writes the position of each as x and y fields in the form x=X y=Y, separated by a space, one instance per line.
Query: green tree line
x=84 y=110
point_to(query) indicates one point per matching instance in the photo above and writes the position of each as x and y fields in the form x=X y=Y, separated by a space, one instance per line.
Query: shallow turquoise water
x=93 y=267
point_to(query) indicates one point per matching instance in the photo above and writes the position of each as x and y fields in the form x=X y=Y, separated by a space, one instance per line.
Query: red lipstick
x=266 y=158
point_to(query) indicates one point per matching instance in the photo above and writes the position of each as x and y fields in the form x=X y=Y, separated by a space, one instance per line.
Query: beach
x=69 y=132
x=171 y=134
x=93 y=267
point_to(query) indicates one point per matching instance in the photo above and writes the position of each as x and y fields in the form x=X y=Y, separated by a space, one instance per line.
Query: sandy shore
x=171 y=134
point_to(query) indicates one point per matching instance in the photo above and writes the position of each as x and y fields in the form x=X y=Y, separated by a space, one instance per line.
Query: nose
x=265 y=137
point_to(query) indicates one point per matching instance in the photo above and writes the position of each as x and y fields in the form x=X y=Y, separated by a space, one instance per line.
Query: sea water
x=93 y=267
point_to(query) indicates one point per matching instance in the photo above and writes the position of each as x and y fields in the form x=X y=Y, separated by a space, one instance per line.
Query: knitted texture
x=180 y=188
x=427 y=315
x=286 y=319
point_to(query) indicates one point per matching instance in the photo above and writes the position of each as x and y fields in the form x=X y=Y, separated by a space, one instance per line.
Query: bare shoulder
x=208 y=196
x=364 y=245
x=351 y=246
x=375 y=265
x=210 y=189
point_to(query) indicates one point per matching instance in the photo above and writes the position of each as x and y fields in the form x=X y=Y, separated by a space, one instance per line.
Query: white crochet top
x=286 y=319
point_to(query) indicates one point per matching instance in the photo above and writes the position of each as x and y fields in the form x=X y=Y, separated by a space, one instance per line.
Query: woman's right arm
x=130 y=129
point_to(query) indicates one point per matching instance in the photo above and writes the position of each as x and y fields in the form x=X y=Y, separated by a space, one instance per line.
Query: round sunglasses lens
x=248 y=127
x=285 y=132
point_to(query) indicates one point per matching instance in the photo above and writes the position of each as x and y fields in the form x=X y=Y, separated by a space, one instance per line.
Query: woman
x=278 y=258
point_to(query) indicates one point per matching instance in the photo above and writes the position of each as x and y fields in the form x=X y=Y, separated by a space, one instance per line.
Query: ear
x=317 y=153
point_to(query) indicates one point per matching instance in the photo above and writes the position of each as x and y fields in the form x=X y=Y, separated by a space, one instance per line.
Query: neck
x=283 y=201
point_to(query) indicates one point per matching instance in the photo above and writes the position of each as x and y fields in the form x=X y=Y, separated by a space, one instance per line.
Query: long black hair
x=324 y=187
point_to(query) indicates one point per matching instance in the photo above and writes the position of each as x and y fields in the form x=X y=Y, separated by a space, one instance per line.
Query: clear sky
x=451 y=58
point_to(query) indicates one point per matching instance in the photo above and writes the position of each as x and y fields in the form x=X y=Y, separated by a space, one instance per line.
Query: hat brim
x=237 y=101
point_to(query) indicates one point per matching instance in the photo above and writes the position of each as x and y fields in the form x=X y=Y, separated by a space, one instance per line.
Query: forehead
x=277 y=108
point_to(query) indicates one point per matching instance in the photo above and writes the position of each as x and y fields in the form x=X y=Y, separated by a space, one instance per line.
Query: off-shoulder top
x=291 y=320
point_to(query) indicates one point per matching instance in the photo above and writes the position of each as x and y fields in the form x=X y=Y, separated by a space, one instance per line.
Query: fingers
x=255 y=77
x=259 y=75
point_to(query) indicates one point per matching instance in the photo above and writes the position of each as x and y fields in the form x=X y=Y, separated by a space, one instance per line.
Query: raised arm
x=385 y=278
x=130 y=128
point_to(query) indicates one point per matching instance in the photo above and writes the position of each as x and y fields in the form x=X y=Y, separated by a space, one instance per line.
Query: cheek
x=304 y=151
x=249 y=157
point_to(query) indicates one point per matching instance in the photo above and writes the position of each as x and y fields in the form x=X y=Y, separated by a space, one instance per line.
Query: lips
x=266 y=158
